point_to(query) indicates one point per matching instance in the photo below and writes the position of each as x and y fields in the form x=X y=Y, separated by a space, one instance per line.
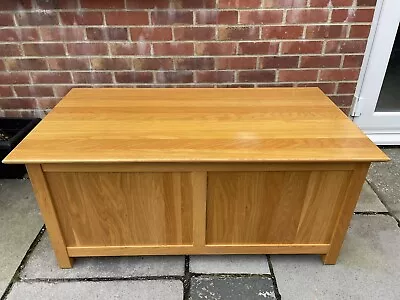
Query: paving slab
x=385 y=180
x=368 y=266
x=42 y=265
x=121 y=290
x=369 y=201
x=225 y=287
x=20 y=222
x=229 y=264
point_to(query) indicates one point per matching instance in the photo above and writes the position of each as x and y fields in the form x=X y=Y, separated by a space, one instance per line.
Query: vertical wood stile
x=199 y=182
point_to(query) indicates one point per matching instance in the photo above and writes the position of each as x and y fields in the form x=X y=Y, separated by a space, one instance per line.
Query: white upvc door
x=377 y=109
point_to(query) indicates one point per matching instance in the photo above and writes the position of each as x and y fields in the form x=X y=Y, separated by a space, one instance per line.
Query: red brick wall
x=49 y=46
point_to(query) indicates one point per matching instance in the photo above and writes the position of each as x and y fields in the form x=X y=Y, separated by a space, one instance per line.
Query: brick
x=134 y=77
x=151 y=33
x=333 y=3
x=61 y=90
x=215 y=48
x=326 y=31
x=174 y=49
x=111 y=63
x=239 y=3
x=339 y=74
x=257 y=76
x=352 y=15
x=67 y=63
x=238 y=33
x=278 y=62
x=194 y=33
x=348 y=46
x=282 y=32
x=371 y=3
x=261 y=17
x=33 y=91
x=81 y=18
x=326 y=87
x=216 y=17
x=174 y=77
x=26 y=64
x=285 y=4
x=236 y=63
x=6 y=19
x=190 y=4
x=87 y=48
x=8 y=35
x=152 y=63
x=55 y=4
x=148 y=4
x=10 y=50
x=127 y=18
x=345 y=110
x=342 y=100
x=346 y=87
x=51 y=77
x=215 y=76
x=307 y=16
x=353 y=61
x=140 y=48
x=258 y=48
x=171 y=17
x=102 y=4
x=15 y=5
x=92 y=77
x=29 y=34
x=2 y=66
x=359 y=31
x=106 y=33
x=301 y=47
x=195 y=63
x=48 y=49
x=62 y=34
x=17 y=103
x=297 y=75
x=36 y=18
x=14 y=78
x=320 y=61
x=6 y=91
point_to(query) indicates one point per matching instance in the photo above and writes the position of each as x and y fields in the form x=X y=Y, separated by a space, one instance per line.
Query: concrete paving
x=385 y=180
x=368 y=266
x=42 y=265
x=20 y=222
x=121 y=290
x=369 y=201
x=225 y=287
x=229 y=264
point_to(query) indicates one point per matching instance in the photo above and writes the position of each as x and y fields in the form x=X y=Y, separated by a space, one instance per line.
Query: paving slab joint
x=274 y=282
x=16 y=277
x=186 y=279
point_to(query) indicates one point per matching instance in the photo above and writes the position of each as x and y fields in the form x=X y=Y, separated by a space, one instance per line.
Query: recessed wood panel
x=299 y=207
x=117 y=209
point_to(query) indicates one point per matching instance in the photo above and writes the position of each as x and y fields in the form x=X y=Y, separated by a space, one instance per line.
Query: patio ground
x=368 y=266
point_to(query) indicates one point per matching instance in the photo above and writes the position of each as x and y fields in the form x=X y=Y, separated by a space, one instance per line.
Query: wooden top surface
x=195 y=125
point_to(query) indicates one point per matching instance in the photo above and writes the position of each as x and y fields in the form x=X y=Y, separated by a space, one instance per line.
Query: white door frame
x=381 y=127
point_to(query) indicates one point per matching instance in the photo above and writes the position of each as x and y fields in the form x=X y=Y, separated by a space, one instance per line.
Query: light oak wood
x=346 y=211
x=273 y=207
x=195 y=125
x=117 y=209
x=209 y=249
x=196 y=171
x=49 y=215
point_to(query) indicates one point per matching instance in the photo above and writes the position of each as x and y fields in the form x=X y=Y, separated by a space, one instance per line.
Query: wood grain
x=49 y=214
x=195 y=125
x=117 y=209
x=296 y=207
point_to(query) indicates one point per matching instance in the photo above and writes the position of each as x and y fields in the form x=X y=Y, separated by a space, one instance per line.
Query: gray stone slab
x=20 y=222
x=368 y=266
x=42 y=265
x=225 y=287
x=385 y=179
x=83 y=290
x=229 y=264
x=369 y=201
